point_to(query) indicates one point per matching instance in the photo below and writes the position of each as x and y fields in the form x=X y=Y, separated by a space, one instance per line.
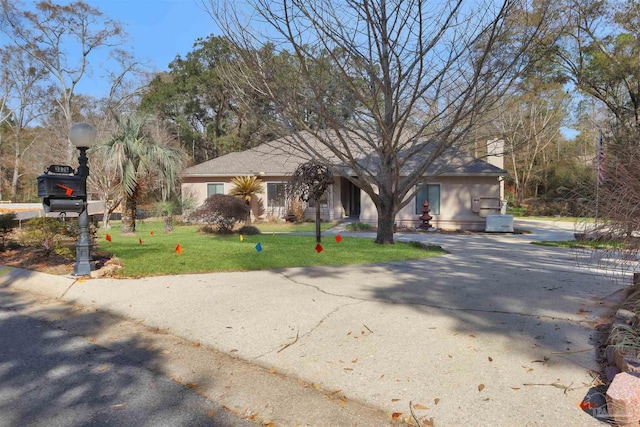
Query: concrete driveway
x=497 y=333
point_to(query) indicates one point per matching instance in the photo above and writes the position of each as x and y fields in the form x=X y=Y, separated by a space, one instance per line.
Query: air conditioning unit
x=499 y=224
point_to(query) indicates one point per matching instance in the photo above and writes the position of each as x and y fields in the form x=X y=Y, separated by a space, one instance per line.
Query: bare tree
x=21 y=79
x=529 y=124
x=61 y=38
x=309 y=182
x=421 y=76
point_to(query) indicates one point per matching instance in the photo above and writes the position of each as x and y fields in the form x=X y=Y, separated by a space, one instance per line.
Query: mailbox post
x=82 y=136
x=62 y=190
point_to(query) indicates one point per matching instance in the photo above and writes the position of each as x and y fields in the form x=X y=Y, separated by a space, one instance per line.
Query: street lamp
x=82 y=136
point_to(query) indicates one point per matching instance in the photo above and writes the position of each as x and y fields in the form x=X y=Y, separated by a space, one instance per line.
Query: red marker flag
x=179 y=249
x=319 y=248
x=338 y=238
x=140 y=240
x=108 y=237
x=67 y=190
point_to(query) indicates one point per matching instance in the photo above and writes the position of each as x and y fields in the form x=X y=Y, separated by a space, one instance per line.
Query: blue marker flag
x=259 y=247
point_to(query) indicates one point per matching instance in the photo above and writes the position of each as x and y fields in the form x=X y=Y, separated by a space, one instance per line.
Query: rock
x=107 y=270
x=623 y=399
x=610 y=372
x=625 y=316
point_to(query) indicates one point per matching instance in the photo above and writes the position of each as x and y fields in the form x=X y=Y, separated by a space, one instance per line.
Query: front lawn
x=583 y=244
x=288 y=227
x=201 y=253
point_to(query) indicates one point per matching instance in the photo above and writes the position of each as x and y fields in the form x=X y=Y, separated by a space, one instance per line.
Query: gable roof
x=277 y=158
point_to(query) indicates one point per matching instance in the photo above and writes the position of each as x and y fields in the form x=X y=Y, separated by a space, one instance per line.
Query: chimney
x=495 y=152
x=495 y=157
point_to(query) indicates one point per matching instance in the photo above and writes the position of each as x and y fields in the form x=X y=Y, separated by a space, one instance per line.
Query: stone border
x=623 y=366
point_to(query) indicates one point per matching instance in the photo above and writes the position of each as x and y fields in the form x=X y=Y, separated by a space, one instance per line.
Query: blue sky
x=158 y=30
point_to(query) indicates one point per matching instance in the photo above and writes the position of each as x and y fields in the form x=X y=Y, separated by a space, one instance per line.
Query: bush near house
x=248 y=230
x=221 y=211
x=358 y=226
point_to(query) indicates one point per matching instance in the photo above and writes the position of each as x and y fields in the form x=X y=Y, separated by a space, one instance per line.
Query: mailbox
x=62 y=186
x=63 y=205
x=62 y=193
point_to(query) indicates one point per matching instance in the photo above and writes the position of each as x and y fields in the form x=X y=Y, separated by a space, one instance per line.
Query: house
x=462 y=192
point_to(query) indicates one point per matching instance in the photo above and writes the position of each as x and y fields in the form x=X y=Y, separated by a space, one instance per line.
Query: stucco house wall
x=467 y=194
x=456 y=204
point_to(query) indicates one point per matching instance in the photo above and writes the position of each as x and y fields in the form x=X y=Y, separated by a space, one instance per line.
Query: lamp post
x=82 y=136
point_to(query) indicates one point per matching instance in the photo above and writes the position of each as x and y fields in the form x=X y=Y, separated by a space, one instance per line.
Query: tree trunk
x=318 y=234
x=14 y=179
x=106 y=215
x=386 y=217
x=248 y=219
x=168 y=224
x=129 y=214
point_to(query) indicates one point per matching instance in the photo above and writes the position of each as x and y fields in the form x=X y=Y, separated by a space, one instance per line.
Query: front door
x=350 y=198
x=354 y=201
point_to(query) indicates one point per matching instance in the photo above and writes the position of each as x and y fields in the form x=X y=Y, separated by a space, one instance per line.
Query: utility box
x=499 y=224
x=485 y=206
x=62 y=193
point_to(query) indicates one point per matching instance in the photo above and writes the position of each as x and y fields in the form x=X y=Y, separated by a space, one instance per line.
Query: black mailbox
x=62 y=186
x=62 y=193
x=63 y=205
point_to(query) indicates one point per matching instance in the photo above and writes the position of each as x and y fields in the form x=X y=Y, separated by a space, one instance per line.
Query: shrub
x=8 y=222
x=222 y=211
x=57 y=233
x=358 y=226
x=249 y=230
x=295 y=211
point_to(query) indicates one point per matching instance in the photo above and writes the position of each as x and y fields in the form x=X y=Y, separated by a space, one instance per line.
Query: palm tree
x=136 y=156
x=245 y=187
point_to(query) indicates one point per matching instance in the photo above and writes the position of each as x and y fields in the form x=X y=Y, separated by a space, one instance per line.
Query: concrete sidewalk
x=497 y=333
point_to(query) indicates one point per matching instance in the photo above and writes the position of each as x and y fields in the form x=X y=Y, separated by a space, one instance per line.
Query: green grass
x=582 y=244
x=557 y=218
x=516 y=210
x=288 y=227
x=209 y=253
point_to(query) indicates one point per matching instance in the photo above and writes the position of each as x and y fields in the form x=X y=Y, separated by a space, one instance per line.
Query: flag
x=600 y=158
x=108 y=237
x=152 y=233
x=140 y=241
x=179 y=249
x=319 y=248
x=241 y=238
x=338 y=238
x=259 y=247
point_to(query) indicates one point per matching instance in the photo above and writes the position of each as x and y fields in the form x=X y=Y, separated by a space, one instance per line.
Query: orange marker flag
x=152 y=233
x=108 y=237
x=140 y=240
x=338 y=238
x=179 y=249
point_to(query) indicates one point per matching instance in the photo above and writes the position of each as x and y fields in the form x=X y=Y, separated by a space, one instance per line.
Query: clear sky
x=158 y=29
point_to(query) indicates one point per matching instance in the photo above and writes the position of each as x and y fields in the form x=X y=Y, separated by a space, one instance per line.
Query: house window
x=431 y=193
x=214 y=189
x=276 y=194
